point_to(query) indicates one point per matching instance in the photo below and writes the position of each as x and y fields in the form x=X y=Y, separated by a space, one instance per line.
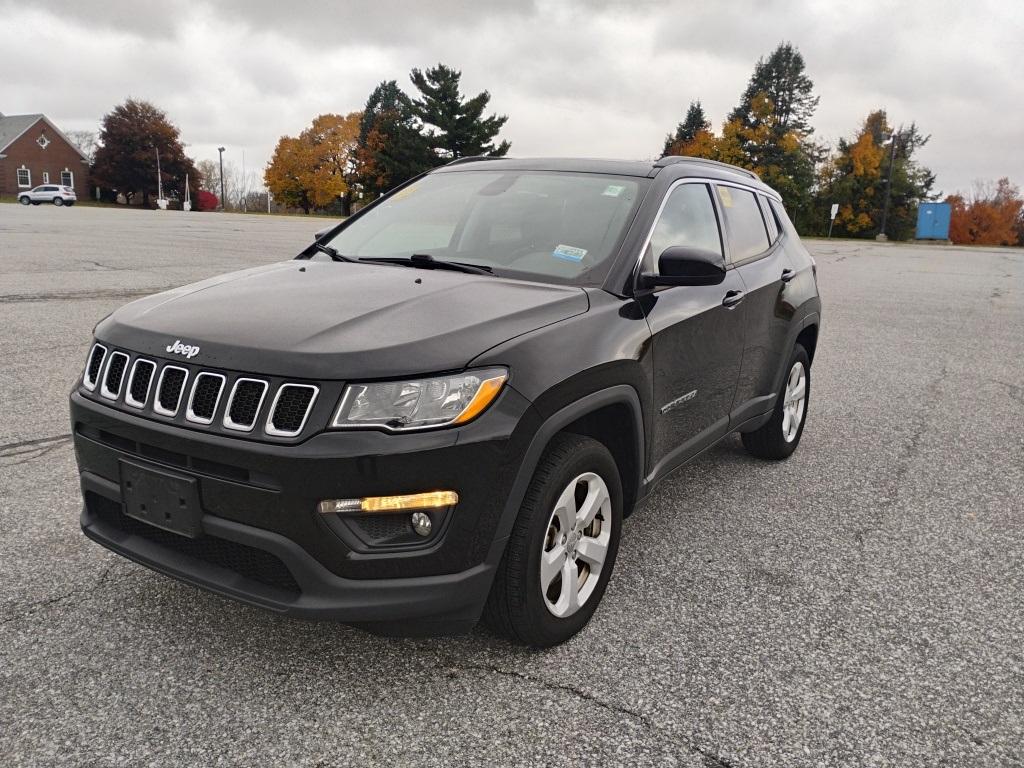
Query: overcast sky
x=596 y=79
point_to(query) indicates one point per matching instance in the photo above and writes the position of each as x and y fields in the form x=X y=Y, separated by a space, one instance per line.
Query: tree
x=126 y=160
x=691 y=135
x=206 y=200
x=85 y=141
x=209 y=176
x=857 y=175
x=316 y=168
x=782 y=79
x=992 y=216
x=390 y=148
x=456 y=126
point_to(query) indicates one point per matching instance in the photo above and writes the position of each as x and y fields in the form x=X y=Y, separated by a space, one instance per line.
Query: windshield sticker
x=568 y=253
x=613 y=190
x=725 y=196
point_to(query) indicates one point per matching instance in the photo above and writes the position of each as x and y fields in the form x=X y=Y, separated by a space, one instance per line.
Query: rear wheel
x=58 y=201
x=779 y=437
x=562 y=549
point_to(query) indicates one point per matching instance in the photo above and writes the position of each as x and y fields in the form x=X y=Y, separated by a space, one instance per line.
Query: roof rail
x=472 y=159
x=673 y=159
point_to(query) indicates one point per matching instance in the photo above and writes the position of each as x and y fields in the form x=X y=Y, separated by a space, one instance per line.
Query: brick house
x=33 y=151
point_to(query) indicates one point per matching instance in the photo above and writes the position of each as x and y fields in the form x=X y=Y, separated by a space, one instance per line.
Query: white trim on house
x=46 y=177
x=71 y=178
x=28 y=175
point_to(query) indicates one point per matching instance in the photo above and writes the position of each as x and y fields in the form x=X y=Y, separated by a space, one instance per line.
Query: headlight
x=419 y=404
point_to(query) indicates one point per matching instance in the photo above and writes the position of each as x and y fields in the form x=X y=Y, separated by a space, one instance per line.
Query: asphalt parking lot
x=861 y=604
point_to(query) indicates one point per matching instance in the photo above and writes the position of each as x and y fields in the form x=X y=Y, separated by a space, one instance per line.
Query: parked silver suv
x=48 y=193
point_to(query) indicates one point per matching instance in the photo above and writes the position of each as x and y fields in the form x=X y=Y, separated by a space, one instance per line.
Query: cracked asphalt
x=861 y=604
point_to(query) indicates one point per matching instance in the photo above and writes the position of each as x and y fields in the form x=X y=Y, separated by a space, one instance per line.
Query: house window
x=42 y=141
x=67 y=178
x=46 y=177
x=24 y=177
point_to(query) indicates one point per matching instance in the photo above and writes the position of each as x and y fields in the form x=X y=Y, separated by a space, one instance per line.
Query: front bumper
x=264 y=543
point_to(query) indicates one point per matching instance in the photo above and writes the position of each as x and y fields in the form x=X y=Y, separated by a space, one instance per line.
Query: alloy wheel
x=794 y=401
x=576 y=544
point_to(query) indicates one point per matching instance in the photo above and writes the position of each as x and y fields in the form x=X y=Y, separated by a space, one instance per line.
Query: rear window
x=747 y=234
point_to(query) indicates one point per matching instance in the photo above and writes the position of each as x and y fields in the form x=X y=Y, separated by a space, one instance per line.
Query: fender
x=620 y=394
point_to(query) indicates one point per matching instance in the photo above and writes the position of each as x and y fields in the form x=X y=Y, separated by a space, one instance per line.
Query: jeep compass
x=442 y=410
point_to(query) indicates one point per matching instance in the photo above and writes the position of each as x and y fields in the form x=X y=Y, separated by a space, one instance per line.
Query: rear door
x=697 y=334
x=756 y=252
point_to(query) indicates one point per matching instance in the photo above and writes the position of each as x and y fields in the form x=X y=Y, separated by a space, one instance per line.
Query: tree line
x=346 y=159
x=873 y=176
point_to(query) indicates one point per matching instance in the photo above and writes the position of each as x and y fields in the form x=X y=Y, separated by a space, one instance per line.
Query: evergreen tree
x=391 y=149
x=126 y=161
x=783 y=80
x=687 y=131
x=456 y=126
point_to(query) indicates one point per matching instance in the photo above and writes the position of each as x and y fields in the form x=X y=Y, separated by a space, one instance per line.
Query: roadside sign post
x=832 y=217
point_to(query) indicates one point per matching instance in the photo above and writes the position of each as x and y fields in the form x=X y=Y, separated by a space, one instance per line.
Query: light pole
x=220 y=150
x=888 y=185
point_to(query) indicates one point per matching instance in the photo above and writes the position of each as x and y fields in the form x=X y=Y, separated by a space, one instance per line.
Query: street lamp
x=888 y=183
x=220 y=150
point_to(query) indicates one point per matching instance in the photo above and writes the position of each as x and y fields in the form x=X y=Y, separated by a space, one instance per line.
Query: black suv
x=443 y=409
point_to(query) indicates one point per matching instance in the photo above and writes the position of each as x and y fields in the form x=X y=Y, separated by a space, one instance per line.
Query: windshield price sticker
x=613 y=190
x=569 y=253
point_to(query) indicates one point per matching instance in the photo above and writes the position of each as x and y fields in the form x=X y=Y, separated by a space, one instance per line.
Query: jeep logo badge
x=187 y=350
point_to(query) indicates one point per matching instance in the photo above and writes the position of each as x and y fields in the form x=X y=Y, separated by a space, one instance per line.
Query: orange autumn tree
x=314 y=169
x=992 y=216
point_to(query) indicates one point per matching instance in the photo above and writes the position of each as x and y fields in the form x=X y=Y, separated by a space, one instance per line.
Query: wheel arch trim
x=619 y=394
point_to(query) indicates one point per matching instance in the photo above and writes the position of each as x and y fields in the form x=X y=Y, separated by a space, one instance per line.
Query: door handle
x=788 y=274
x=732 y=298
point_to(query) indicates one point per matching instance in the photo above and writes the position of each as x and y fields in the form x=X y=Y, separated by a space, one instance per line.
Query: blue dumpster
x=933 y=221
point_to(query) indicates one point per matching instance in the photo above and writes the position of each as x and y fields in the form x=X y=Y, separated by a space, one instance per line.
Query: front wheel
x=24 y=200
x=779 y=437
x=562 y=549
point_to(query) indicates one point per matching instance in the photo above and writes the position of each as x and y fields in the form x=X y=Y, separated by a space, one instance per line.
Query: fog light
x=429 y=500
x=421 y=523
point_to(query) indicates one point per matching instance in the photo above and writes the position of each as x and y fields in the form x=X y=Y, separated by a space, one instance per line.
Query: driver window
x=688 y=219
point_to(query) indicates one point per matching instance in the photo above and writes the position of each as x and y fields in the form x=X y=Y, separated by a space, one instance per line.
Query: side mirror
x=321 y=233
x=679 y=265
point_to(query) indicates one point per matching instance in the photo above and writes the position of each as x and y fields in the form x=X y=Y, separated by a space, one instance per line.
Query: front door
x=697 y=335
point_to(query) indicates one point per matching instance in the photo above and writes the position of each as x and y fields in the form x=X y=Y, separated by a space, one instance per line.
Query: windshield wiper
x=331 y=251
x=426 y=261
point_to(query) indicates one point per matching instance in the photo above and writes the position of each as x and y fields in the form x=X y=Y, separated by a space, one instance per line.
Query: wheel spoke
x=565 y=509
x=786 y=418
x=797 y=393
x=550 y=564
x=593 y=551
x=570 y=588
x=597 y=495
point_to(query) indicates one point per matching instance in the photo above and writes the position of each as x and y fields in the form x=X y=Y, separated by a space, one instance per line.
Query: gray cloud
x=606 y=78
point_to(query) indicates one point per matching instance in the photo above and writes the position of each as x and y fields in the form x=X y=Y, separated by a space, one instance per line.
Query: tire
x=58 y=201
x=24 y=200
x=777 y=439
x=518 y=607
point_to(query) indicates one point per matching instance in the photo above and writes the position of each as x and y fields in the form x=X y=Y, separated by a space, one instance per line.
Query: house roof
x=13 y=126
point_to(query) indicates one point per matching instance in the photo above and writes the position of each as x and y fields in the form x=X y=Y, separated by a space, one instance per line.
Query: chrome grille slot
x=139 y=382
x=169 y=390
x=94 y=366
x=244 y=404
x=114 y=377
x=290 y=410
x=202 y=403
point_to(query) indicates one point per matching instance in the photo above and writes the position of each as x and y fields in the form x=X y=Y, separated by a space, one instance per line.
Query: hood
x=335 y=320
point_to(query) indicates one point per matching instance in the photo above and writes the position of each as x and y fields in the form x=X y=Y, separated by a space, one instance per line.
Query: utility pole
x=888 y=185
x=221 y=151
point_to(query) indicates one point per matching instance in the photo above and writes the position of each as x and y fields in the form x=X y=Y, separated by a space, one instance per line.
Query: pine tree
x=783 y=80
x=391 y=150
x=456 y=126
x=687 y=131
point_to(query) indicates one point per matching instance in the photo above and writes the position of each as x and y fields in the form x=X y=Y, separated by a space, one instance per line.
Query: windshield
x=534 y=225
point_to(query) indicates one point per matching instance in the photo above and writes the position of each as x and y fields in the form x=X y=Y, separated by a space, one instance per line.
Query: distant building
x=33 y=151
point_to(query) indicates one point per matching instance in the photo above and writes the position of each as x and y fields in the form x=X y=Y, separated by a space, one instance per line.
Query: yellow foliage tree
x=313 y=170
